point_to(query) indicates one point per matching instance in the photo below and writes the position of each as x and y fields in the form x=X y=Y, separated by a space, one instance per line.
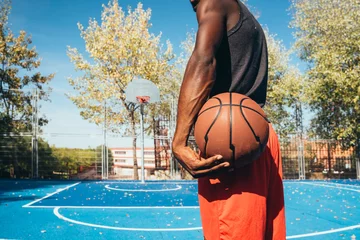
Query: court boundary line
x=49 y=195
x=146 y=182
x=331 y=186
x=341 y=184
x=118 y=207
x=56 y=212
x=325 y=184
x=320 y=184
x=324 y=232
x=142 y=190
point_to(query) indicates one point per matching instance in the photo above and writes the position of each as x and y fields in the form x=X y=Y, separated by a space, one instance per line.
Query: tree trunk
x=133 y=131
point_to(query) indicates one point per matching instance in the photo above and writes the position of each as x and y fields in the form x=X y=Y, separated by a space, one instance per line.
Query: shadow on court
x=18 y=190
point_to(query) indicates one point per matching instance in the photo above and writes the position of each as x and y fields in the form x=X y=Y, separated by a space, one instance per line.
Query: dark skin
x=215 y=18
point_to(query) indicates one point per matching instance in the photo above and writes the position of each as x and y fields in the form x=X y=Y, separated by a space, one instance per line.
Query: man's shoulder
x=220 y=6
x=206 y=6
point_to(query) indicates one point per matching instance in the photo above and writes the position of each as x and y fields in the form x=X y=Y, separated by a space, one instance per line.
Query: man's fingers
x=209 y=162
x=214 y=169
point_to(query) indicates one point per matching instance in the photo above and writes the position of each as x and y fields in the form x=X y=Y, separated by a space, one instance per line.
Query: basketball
x=234 y=126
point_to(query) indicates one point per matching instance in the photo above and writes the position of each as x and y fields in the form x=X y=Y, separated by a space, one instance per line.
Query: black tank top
x=242 y=60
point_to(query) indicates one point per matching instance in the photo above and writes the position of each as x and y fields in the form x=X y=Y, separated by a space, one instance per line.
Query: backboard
x=142 y=91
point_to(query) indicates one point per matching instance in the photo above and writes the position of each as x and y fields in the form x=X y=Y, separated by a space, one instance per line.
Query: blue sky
x=53 y=26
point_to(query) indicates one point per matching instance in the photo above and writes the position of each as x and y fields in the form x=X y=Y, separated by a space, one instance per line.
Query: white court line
x=49 y=195
x=341 y=184
x=323 y=232
x=329 y=186
x=328 y=231
x=143 y=190
x=158 y=183
x=56 y=212
x=115 y=207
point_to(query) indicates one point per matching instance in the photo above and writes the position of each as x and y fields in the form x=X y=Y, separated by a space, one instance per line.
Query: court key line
x=115 y=207
x=143 y=190
x=323 y=232
x=49 y=195
x=328 y=231
x=150 y=183
x=56 y=212
x=329 y=186
x=340 y=184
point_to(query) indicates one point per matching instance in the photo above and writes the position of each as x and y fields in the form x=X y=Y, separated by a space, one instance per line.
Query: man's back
x=242 y=64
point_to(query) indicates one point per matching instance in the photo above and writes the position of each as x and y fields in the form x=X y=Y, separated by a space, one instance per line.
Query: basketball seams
x=236 y=135
x=212 y=124
x=232 y=147
x=236 y=105
x=247 y=122
x=251 y=109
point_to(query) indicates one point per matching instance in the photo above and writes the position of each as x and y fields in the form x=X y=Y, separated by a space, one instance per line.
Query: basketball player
x=230 y=55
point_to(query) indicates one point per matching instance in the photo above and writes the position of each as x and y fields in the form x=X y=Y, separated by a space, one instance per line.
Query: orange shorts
x=247 y=203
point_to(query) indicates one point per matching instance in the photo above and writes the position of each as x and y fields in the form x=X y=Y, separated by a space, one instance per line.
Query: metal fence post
x=301 y=159
x=34 y=138
x=357 y=158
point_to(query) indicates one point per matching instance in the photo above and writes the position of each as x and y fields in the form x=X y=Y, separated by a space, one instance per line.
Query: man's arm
x=198 y=80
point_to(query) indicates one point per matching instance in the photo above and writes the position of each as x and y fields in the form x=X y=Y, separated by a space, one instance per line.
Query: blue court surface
x=160 y=210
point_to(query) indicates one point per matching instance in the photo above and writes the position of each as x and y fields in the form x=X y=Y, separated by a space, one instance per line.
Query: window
x=120 y=152
x=149 y=161
x=148 y=153
x=120 y=160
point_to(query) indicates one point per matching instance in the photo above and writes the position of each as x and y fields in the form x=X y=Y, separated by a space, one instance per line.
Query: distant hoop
x=143 y=99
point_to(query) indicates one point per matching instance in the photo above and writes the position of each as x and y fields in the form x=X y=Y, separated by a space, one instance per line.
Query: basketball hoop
x=143 y=99
x=141 y=91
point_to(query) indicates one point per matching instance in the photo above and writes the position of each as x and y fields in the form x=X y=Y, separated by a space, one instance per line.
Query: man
x=230 y=55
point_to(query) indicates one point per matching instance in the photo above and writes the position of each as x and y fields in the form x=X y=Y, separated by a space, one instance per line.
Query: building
x=124 y=165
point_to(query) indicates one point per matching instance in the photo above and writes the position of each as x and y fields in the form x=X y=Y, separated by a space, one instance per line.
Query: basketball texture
x=234 y=126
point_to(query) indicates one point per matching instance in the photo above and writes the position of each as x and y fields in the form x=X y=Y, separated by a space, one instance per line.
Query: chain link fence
x=318 y=159
x=57 y=143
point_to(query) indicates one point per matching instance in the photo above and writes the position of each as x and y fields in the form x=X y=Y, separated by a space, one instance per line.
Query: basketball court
x=160 y=210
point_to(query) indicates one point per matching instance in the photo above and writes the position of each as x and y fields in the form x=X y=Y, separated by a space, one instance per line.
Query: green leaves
x=285 y=85
x=330 y=41
x=17 y=56
x=119 y=49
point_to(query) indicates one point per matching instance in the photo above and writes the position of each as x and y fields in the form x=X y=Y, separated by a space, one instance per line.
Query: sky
x=53 y=26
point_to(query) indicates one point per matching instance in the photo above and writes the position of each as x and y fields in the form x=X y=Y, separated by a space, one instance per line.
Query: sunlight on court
x=161 y=210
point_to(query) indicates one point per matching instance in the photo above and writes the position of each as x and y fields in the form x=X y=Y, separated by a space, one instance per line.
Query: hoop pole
x=142 y=143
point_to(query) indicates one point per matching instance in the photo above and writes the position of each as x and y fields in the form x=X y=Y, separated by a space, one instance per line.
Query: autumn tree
x=17 y=60
x=285 y=88
x=328 y=38
x=119 y=49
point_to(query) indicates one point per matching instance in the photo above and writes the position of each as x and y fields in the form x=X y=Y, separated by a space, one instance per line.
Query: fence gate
x=291 y=159
x=162 y=144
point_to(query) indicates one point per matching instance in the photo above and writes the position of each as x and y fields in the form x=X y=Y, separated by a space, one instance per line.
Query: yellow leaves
x=119 y=48
x=330 y=41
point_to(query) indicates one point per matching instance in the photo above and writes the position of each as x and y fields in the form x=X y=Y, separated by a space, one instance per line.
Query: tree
x=285 y=85
x=329 y=41
x=119 y=49
x=17 y=58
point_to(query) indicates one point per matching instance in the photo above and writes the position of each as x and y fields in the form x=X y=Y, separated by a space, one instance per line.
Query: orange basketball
x=234 y=126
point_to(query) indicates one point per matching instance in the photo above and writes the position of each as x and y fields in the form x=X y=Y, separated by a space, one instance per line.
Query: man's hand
x=197 y=166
